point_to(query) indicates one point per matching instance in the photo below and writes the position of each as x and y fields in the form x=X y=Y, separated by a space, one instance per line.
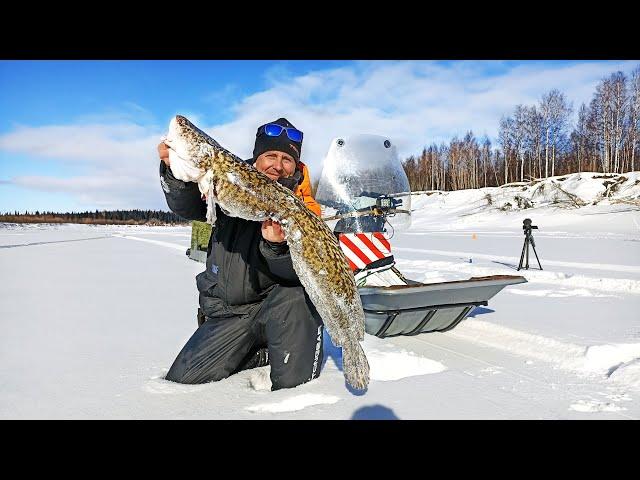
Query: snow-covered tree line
x=538 y=141
x=119 y=217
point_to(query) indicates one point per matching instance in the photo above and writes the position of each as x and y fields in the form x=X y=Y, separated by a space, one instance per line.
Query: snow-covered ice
x=297 y=402
x=396 y=365
x=93 y=316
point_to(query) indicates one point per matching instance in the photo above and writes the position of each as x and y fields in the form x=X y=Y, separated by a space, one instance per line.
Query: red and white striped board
x=361 y=249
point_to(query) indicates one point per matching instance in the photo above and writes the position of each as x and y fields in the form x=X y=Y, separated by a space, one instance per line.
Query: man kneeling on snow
x=253 y=308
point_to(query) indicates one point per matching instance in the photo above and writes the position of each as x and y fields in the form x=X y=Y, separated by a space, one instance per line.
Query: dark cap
x=281 y=143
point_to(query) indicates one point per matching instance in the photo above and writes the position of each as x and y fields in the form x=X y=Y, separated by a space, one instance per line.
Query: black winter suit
x=251 y=298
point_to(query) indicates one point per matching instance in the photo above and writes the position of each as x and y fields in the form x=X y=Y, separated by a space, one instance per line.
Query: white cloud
x=95 y=144
x=105 y=191
x=413 y=103
x=117 y=164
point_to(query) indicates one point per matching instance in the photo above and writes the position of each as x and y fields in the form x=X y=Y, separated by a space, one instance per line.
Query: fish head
x=189 y=142
x=180 y=137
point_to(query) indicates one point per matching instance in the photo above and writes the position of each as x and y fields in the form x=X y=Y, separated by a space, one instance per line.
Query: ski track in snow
x=164 y=234
x=533 y=276
x=435 y=231
x=578 y=292
x=175 y=246
x=579 y=402
x=516 y=260
x=32 y=244
x=601 y=360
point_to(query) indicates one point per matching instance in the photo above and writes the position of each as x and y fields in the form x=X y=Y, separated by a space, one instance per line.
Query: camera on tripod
x=528 y=239
x=526 y=225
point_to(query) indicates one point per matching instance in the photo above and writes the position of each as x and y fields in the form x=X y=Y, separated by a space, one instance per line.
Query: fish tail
x=355 y=364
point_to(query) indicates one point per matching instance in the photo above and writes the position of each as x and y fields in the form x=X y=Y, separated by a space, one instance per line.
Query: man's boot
x=255 y=358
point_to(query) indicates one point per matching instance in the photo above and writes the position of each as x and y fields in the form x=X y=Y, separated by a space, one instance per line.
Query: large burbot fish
x=241 y=191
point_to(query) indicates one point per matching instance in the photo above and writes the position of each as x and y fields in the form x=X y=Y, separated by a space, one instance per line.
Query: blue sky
x=81 y=135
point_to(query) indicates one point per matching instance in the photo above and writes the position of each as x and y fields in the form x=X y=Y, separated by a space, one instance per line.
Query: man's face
x=275 y=164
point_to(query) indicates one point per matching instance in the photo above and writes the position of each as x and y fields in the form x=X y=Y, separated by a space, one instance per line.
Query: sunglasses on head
x=275 y=130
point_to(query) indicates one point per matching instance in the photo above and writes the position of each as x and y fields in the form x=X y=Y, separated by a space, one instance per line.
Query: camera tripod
x=528 y=239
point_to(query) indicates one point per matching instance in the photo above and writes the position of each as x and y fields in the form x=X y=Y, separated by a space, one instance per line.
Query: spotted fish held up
x=242 y=191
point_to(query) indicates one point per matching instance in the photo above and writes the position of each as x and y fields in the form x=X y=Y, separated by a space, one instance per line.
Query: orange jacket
x=304 y=191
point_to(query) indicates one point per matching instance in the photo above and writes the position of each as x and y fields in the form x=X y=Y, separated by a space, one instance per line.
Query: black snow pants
x=286 y=322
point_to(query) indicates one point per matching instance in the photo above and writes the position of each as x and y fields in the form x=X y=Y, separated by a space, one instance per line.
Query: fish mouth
x=181 y=122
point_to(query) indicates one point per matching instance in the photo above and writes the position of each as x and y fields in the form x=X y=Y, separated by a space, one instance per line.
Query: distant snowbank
x=572 y=191
x=570 y=202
